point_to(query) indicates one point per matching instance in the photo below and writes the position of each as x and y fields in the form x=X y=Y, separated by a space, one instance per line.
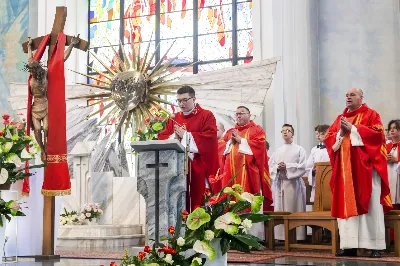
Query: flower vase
x=219 y=259
x=93 y=222
x=2 y=237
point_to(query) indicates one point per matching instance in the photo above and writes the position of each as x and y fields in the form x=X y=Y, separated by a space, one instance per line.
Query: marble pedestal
x=162 y=183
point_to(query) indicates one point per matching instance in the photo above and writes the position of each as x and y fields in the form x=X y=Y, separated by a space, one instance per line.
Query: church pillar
x=359 y=47
x=289 y=29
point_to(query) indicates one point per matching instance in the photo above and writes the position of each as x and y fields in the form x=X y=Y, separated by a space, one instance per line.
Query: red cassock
x=351 y=181
x=202 y=125
x=249 y=168
x=221 y=147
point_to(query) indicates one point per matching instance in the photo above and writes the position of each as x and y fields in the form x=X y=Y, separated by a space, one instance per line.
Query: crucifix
x=49 y=201
x=156 y=166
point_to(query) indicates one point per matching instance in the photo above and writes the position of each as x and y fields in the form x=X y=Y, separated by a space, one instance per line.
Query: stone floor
x=279 y=261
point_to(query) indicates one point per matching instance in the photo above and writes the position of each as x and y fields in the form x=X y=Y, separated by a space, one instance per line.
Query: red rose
x=147 y=249
x=171 y=230
x=215 y=199
x=141 y=255
x=19 y=126
x=139 y=131
x=1 y=133
x=6 y=117
x=167 y=250
x=6 y=122
x=184 y=215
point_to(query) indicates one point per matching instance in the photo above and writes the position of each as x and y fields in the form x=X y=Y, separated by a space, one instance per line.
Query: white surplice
x=288 y=188
x=317 y=155
x=367 y=230
x=394 y=176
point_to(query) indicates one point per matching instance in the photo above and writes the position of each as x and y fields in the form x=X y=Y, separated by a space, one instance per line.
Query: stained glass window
x=208 y=34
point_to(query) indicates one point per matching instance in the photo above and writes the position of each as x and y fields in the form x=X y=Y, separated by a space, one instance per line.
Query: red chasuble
x=266 y=187
x=351 y=181
x=56 y=176
x=202 y=125
x=250 y=175
x=36 y=57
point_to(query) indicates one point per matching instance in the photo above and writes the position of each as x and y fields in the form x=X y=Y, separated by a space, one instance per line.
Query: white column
x=289 y=29
x=359 y=47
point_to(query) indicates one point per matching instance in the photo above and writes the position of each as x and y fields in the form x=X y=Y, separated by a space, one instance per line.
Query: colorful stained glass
x=103 y=10
x=207 y=3
x=214 y=66
x=175 y=5
x=138 y=8
x=183 y=48
x=245 y=43
x=101 y=31
x=215 y=19
x=139 y=29
x=215 y=46
x=143 y=48
x=172 y=26
x=244 y=15
x=105 y=54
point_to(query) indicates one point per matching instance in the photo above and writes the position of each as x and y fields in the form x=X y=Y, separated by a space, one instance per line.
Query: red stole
x=202 y=125
x=249 y=176
x=36 y=57
x=390 y=146
x=351 y=181
x=56 y=176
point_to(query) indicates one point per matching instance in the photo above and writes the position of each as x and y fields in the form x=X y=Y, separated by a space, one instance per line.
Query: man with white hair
x=359 y=182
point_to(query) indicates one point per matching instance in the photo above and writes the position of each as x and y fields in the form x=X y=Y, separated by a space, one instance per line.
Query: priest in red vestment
x=216 y=187
x=266 y=184
x=244 y=153
x=194 y=127
x=359 y=183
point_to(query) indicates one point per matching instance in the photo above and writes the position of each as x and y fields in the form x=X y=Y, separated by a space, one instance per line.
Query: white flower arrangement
x=90 y=211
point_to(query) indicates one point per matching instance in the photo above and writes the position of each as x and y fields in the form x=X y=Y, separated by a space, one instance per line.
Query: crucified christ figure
x=38 y=85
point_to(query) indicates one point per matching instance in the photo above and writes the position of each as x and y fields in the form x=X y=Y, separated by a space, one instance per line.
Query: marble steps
x=94 y=236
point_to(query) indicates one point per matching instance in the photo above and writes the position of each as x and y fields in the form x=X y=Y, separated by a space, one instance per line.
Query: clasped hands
x=391 y=159
x=345 y=126
x=281 y=166
x=179 y=131
x=235 y=138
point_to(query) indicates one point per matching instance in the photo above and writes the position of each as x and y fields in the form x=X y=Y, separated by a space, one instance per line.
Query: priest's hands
x=391 y=159
x=345 y=126
x=281 y=165
x=235 y=137
x=179 y=131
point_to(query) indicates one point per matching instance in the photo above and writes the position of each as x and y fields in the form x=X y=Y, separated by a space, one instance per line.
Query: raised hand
x=345 y=126
x=235 y=137
x=179 y=131
x=75 y=40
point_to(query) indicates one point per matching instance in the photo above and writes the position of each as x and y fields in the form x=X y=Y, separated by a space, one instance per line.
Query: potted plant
x=90 y=213
x=209 y=232
x=7 y=210
x=15 y=149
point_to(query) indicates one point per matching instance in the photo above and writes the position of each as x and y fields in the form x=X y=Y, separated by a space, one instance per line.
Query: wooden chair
x=392 y=220
x=320 y=217
x=277 y=218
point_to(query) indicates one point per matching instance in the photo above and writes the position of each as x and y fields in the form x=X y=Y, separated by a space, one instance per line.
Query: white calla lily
x=3 y=176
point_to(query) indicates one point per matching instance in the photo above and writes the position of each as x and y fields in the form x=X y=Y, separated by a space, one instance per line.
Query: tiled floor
x=280 y=262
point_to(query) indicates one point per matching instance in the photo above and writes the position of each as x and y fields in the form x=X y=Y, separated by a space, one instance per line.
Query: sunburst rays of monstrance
x=132 y=89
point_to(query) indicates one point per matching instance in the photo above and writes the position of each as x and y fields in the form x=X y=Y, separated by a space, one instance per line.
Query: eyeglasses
x=184 y=100
x=286 y=131
x=240 y=114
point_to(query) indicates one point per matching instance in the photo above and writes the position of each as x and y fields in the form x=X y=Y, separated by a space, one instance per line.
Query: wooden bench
x=277 y=218
x=392 y=220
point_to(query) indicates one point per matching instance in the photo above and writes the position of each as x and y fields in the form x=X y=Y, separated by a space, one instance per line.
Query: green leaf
x=239 y=246
x=163 y=238
x=178 y=224
x=197 y=218
x=225 y=245
x=192 y=236
x=255 y=217
x=157 y=126
x=240 y=206
x=249 y=240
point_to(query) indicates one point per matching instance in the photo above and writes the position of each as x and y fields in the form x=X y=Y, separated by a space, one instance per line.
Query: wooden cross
x=156 y=166
x=49 y=202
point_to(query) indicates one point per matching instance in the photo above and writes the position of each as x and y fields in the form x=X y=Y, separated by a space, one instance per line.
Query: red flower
x=6 y=122
x=212 y=179
x=141 y=255
x=147 y=121
x=207 y=192
x=184 y=215
x=6 y=117
x=159 y=118
x=147 y=249
x=13 y=123
x=139 y=131
x=113 y=263
x=1 y=133
x=197 y=206
x=167 y=250
x=19 y=126
x=215 y=199
x=171 y=230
